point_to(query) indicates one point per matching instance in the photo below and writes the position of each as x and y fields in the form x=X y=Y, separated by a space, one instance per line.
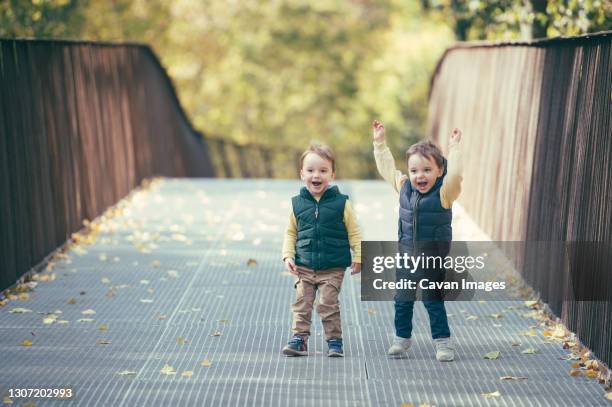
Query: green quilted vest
x=322 y=239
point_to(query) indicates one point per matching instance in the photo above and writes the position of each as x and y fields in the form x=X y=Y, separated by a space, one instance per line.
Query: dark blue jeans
x=437 y=318
x=432 y=300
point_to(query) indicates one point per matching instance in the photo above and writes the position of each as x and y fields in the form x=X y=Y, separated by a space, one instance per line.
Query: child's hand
x=355 y=268
x=379 y=131
x=290 y=265
x=455 y=136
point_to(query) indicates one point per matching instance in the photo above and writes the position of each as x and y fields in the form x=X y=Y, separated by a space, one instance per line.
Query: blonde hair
x=323 y=151
x=428 y=150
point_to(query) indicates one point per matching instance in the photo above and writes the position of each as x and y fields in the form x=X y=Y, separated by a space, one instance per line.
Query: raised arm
x=384 y=159
x=451 y=188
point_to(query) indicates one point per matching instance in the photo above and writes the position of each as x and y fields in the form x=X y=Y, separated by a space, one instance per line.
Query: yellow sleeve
x=451 y=188
x=290 y=237
x=354 y=231
x=386 y=166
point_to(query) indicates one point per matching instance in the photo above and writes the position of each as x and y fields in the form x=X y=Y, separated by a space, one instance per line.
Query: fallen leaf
x=531 y=304
x=146 y=300
x=24 y=297
x=7 y=400
x=62 y=321
x=407 y=405
x=181 y=341
x=223 y=321
x=251 y=262
x=103 y=328
x=155 y=264
x=103 y=257
x=144 y=282
x=529 y=333
x=206 y=363
x=530 y=351
x=72 y=301
x=472 y=318
x=575 y=373
x=608 y=395
x=85 y=320
x=187 y=373
x=516 y=343
x=513 y=378
x=20 y=310
x=493 y=355
x=216 y=333
x=26 y=342
x=162 y=317
x=371 y=311
x=105 y=280
x=491 y=395
x=127 y=373
x=88 y=312
x=496 y=316
x=103 y=342
x=49 y=320
x=168 y=370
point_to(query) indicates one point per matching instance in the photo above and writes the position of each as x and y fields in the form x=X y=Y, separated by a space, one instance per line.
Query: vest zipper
x=318 y=236
x=415 y=210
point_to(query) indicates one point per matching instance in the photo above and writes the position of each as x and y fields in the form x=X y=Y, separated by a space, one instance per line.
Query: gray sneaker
x=399 y=346
x=444 y=350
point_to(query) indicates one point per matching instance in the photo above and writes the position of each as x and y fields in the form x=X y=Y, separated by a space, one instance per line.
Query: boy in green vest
x=321 y=232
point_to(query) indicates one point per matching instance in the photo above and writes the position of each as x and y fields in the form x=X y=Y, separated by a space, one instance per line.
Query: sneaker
x=399 y=346
x=444 y=350
x=335 y=348
x=296 y=347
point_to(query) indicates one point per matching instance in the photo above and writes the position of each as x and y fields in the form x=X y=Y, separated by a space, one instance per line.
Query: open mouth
x=421 y=184
x=316 y=183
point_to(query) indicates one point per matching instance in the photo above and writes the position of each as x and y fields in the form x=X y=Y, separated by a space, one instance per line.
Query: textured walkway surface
x=182 y=319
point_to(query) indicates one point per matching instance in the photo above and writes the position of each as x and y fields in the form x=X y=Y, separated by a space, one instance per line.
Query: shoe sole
x=335 y=355
x=291 y=352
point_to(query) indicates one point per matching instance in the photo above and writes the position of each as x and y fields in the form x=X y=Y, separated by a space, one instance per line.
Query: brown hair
x=428 y=150
x=323 y=151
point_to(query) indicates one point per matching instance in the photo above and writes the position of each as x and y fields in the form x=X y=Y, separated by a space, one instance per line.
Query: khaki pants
x=328 y=283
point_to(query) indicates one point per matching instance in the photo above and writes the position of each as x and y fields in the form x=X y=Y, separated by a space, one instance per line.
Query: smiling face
x=423 y=172
x=317 y=172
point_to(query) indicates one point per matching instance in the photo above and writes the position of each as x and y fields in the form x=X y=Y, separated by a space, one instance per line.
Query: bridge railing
x=537 y=119
x=81 y=125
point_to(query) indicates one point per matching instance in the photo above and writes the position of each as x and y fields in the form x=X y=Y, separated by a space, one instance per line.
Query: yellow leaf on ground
x=127 y=373
x=103 y=342
x=181 y=341
x=146 y=300
x=173 y=274
x=575 y=373
x=371 y=311
x=7 y=400
x=491 y=395
x=24 y=297
x=88 y=312
x=251 y=262
x=529 y=333
x=103 y=328
x=472 y=318
x=223 y=321
x=216 y=333
x=167 y=370
x=496 y=316
x=546 y=333
x=72 y=301
x=407 y=405
x=492 y=355
x=608 y=395
x=531 y=304
x=20 y=310
x=591 y=374
x=26 y=342
x=187 y=373
x=530 y=351
x=105 y=280
x=206 y=363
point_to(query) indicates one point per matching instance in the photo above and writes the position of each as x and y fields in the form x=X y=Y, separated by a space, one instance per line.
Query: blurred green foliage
x=286 y=72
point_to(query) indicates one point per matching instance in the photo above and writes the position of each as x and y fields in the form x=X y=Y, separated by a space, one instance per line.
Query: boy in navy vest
x=321 y=232
x=426 y=198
